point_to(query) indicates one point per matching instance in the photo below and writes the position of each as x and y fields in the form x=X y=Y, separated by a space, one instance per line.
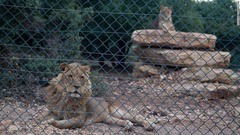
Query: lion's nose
x=77 y=87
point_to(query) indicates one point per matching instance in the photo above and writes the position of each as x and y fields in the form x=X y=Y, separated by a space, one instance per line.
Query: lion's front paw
x=150 y=126
x=49 y=121
x=128 y=126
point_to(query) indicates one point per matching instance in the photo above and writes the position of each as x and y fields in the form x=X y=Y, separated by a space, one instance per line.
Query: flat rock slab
x=144 y=71
x=207 y=74
x=174 y=39
x=183 y=58
x=204 y=90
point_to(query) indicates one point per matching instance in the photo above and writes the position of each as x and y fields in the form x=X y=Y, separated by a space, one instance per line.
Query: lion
x=71 y=105
x=164 y=20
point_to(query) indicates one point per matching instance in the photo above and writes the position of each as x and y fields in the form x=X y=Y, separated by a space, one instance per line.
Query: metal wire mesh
x=172 y=65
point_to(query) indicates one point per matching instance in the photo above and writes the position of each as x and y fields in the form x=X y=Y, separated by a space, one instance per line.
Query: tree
x=32 y=31
x=220 y=19
x=108 y=35
x=29 y=25
x=185 y=16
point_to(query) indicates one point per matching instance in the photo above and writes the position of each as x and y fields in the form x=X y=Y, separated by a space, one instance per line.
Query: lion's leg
x=125 y=123
x=107 y=118
x=44 y=117
x=122 y=114
x=75 y=122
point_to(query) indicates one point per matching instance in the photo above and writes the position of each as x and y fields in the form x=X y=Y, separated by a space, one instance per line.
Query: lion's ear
x=63 y=66
x=86 y=69
x=56 y=80
x=161 y=6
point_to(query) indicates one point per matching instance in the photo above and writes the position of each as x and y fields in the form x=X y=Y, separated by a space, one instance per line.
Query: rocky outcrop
x=144 y=70
x=204 y=90
x=203 y=69
x=208 y=74
x=174 y=39
x=183 y=58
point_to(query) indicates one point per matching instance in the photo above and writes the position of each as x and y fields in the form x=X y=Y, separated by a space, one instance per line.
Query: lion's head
x=166 y=10
x=70 y=87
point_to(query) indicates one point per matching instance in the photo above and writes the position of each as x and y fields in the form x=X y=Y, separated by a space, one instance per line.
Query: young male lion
x=70 y=103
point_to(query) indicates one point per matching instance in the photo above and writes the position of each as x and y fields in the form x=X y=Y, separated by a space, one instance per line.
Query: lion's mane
x=58 y=101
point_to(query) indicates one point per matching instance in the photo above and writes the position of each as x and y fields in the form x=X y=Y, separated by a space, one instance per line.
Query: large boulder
x=207 y=74
x=183 y=58
x=174 y=39
x=204 y=90
x=144 y=70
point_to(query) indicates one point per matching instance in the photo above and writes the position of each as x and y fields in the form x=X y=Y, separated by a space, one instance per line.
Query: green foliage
x=99 y=86
x=220 y=19
x=108 y=34
x=33 y=31
x=32 y=23
x=219 y=15
x=7 y=79
x=27 y=71
x=185 y=16
x=190 y=21
x=36 y=35
x=41 y=67
x=50 y=29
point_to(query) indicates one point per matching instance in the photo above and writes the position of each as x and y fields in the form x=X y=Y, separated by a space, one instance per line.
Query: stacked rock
x=192 y=51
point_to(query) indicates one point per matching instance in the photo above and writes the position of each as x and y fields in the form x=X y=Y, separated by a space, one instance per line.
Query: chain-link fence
x=119 y=67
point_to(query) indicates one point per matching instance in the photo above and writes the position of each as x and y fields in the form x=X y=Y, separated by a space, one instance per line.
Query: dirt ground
x=175 y=113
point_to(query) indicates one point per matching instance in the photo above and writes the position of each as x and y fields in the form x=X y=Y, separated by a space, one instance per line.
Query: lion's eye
x=82 y=77
x=70 y=76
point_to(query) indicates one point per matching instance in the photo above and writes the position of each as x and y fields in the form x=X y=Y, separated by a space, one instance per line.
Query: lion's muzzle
x=75 y=92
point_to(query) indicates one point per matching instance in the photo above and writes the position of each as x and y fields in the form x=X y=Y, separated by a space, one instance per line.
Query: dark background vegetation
x=37 y=35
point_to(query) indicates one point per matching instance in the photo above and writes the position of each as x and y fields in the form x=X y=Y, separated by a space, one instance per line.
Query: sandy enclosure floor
x=175 y=113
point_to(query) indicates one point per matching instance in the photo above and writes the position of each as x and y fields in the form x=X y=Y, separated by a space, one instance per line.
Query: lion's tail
x=66 y=124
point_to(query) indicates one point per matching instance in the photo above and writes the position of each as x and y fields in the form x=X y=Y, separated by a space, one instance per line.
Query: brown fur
x=164 y=21
x=77 y=111
x=72 y=81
